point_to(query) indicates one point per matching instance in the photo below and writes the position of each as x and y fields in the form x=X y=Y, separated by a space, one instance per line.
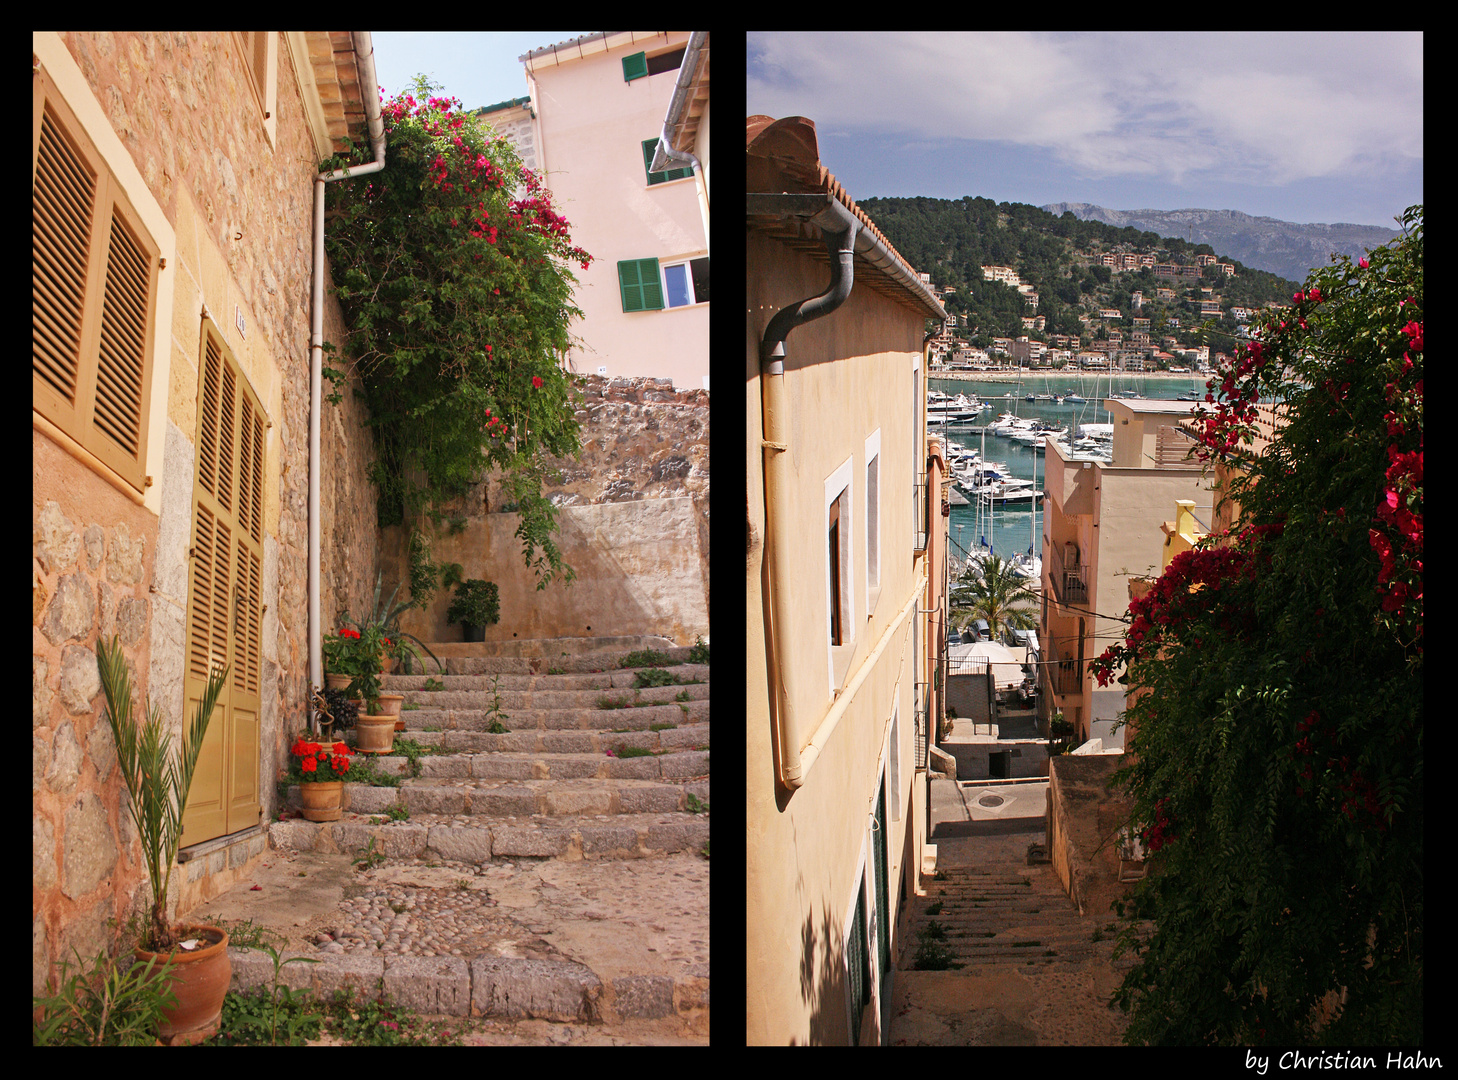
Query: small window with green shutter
x=635 y=67
x=650 y=147
x=640 y=285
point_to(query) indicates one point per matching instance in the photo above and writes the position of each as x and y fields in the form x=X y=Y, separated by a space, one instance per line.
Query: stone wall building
x=173 y=216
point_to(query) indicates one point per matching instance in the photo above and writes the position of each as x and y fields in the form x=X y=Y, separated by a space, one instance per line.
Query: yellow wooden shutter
x=93 y=293
x=225 y=610
x=63 y=196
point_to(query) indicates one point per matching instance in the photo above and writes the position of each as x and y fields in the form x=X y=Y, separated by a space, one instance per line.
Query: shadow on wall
x=641 y=569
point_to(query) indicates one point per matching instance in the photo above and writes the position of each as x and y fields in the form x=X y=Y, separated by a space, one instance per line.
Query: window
x=873 y=516
x=647 y=286
x=835 y=597
x=839 y=535
x=641 y=64
x=93 y=289
x=858 y=963
x=669 y=61
x=650 y=147
x=686 y=283
x=255 y=47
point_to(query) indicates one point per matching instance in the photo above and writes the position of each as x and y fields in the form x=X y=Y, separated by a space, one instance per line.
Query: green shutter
x=650 y=147
x=640 y=285
x=635 y=66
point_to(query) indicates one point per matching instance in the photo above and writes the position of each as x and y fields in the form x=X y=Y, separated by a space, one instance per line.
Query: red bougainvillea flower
x=537 y=381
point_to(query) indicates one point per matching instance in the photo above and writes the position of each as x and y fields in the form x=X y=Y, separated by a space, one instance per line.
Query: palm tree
x=1000 y=596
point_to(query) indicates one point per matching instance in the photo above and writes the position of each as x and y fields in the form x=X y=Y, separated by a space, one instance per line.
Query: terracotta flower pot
x=390 y=704
x=337 y=682
x=200 y=980
x=374 y=734
x=323 y=801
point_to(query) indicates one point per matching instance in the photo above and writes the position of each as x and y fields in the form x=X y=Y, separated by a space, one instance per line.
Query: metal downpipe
x=778 y=538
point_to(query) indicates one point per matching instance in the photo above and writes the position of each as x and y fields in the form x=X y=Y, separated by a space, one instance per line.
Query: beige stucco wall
x=592 y=125
x=1113 y=514
x=847 y=375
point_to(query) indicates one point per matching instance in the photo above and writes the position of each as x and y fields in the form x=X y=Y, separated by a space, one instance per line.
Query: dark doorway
x=999 y=764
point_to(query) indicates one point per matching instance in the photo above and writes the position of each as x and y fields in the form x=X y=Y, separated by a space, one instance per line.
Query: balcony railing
x=1070 y=577
x=1064 y=676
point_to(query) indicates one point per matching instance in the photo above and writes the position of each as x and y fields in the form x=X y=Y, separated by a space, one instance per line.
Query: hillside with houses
x=1021 y=286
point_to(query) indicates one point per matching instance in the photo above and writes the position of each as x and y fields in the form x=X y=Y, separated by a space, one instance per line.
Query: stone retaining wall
x=633 y=515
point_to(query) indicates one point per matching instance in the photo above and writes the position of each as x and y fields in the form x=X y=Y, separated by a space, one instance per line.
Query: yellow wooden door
x=224 y=620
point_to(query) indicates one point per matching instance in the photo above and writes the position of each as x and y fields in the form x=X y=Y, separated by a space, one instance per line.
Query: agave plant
x=387 y=618
x=157 y=782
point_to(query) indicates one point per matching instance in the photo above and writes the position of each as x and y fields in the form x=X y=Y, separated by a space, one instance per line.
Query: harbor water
x=1015 y=529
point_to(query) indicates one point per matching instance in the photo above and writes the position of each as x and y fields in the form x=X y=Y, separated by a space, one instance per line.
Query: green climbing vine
x=457 y=294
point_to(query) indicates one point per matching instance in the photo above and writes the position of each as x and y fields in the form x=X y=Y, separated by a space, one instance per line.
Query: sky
x=479 y=69
x=1305 y=127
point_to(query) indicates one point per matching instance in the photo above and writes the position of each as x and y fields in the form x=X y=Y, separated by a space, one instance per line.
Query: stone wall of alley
x=241 y=205
x=634 y=524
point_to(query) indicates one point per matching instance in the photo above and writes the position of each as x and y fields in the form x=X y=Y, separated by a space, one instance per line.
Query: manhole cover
x=990 y=800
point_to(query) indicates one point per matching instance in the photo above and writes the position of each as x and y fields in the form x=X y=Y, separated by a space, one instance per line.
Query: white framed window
x=873 y=520
x=686 y=283
x=837 y=542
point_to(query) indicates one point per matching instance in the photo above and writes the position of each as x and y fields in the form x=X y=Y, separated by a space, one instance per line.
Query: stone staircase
x=1008 y=916
x=561 y=784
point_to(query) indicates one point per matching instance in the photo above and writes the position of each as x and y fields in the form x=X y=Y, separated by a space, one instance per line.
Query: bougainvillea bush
x=1277 y=737
x=457 y=292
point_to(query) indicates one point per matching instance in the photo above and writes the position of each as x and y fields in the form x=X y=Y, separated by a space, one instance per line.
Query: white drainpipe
x=365 y=52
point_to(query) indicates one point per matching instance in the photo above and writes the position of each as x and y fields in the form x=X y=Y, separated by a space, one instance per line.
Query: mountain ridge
x=1290 y=249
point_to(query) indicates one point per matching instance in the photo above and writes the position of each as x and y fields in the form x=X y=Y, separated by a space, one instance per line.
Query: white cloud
x=1266 y=108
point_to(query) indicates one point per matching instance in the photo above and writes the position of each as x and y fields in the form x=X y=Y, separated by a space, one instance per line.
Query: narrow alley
x=1024 y=967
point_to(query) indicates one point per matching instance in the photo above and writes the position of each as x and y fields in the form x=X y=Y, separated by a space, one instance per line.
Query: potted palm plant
x=158 y=785
x=476 y=606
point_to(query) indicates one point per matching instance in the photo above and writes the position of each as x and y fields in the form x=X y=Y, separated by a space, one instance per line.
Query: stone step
x=689 y=736
x=637 y=718
x=459 y=838
x=597 y=681
x=507 y=988
x=508 y=798
x=541 y=798
x=663 y=765
x=455 y=663
x=992 y=917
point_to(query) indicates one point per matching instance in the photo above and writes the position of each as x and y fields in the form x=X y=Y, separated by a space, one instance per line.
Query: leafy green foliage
x=1000 y=596
x=1277 y=742
x=157 y=782
x=105 y=1004
x=477 y=602
x=457 y=297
